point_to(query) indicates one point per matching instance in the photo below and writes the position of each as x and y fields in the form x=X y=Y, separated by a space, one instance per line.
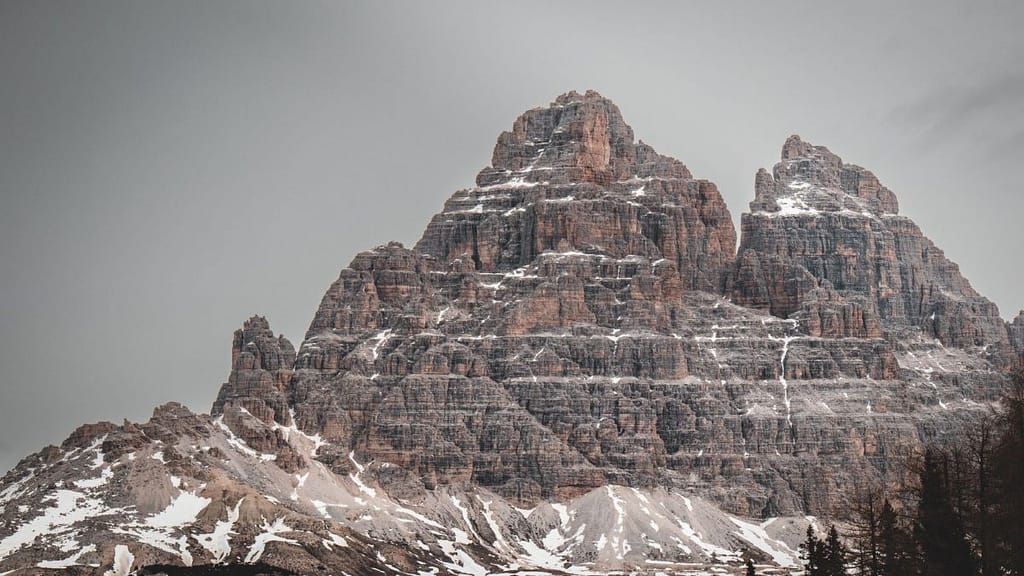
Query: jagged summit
x=577 y=138
x=811 y=179
x=1016 y=331
x=823 y=243
x=551 y=381
x=569 y=178
x=261 y=368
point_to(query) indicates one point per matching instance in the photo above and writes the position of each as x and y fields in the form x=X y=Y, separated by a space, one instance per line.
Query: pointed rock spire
x=811 y=179
x=261 y=369
x=577 y=138
x=569 y=177
x=817 y=220
x=1016 y=330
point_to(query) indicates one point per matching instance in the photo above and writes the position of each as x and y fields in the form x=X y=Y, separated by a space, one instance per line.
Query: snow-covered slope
x=183 y=489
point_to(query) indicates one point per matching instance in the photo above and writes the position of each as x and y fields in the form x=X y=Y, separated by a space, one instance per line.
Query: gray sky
x=168 y=169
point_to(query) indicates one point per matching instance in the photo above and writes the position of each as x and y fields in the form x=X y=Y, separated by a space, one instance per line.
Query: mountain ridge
x=559 y=340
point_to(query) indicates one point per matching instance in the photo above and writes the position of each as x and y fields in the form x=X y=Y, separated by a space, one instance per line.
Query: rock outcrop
x=1016 y=333
x=570 y=177
x=817 y=223
x=618 y=359
x=261 y=371
x=571 y=369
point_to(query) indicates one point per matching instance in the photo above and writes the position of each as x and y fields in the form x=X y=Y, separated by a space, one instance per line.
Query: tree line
x=964 y=516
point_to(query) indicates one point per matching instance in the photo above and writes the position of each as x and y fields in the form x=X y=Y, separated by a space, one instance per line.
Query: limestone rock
x=261 y=368
x=570 y=177
x=572 y=335
x=816 y=219
x=1016 y=333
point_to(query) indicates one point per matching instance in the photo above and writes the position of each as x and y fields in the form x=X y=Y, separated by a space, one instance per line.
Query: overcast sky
x=168 y=168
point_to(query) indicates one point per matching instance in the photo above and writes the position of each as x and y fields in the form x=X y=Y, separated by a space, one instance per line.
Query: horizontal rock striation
x=817 y=223
x=571 y=177
x=575 y=335
x=600 y=351
x=1015 y=330
x=261 y=370
x=183 y=494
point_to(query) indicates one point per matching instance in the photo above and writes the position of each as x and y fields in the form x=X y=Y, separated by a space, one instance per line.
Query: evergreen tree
x=812 y=551
x=896 y=548
x=1007 y=483
x=834 y=556
x=865 y=533
x=939 y=530
x=980 y=446
x=750 y=568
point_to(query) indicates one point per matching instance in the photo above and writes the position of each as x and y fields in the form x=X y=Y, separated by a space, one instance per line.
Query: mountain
x=573 y=371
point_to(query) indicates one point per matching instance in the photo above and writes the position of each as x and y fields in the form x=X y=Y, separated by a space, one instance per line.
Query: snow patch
x=781 y=553
x=182 y=511
x=269 y=534
x=462 y=563
x=235 y=442
x=218 y=542
x=355 y=477
x=69 y=508
x=67 y=562
x=100 y=480
x=123 y=560
x=334 y=540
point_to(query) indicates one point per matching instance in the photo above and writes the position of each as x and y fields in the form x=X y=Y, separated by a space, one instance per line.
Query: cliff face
x=570 y=177
x=573 y=335
x=261 y=371
x=823 y=242
x=1016 y=334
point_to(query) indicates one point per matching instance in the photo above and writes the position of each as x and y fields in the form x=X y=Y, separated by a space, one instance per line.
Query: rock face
x=182 y=494
x=1016 y=333
x=573 y=335
x=817 y=223
x=261 y=372
x=570 y=177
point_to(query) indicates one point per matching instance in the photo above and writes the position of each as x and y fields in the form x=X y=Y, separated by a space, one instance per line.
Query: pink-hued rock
x=574 y=335
x=570 y=177
x=261 y=371
x=815 y=220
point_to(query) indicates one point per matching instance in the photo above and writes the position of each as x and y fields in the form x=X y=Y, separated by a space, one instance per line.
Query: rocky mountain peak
x=551 y=379
x=823 y=243
x=576 y=138
x=812 y=179
x=261 y=370
x=569 y=178
x=254 y=345
x=1016 y=331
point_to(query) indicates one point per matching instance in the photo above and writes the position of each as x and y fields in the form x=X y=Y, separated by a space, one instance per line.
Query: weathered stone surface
x=261 y=369
x=828 y=314
x=570 y=177
x=817 y=220
x=574 y=334
x=1016 y=333
x=611 y=360
x=86 y=433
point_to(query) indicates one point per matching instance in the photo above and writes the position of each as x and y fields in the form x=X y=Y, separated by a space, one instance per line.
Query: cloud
x=990 y=112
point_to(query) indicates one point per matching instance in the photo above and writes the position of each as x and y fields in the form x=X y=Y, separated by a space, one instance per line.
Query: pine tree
x=896 y=548
x=865 y=533
x=980 y=445
x=939 y=530
x=834 y=557
x=1007 y=481
x=750 y=568
x=812 y=551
